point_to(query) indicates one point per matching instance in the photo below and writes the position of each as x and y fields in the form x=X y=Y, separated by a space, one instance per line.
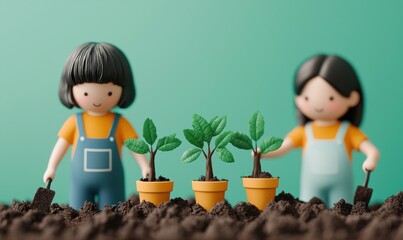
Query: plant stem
x=151 y=178
x=257 y=169
x=209 y=167
x=204 y=153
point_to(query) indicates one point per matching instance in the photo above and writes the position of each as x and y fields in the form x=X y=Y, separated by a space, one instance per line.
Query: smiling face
x=319 y=101
x=96 y=98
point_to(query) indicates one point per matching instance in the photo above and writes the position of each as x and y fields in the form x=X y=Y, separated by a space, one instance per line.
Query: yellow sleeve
x=355 y=137
x=297 y=136
x=68 y=129
x=125 y=130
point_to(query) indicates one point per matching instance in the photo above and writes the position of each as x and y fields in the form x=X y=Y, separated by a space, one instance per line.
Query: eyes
x=109 y=94
x=331 y=98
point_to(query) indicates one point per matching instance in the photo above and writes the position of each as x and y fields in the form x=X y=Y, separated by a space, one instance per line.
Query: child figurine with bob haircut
x=96 y=78
x=330 y=105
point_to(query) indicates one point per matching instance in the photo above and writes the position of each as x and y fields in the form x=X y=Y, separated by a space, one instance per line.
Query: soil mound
x=284 y=218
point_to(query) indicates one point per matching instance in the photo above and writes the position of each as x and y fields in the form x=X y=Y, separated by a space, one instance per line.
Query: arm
x=56 y=156
x=284 y=149
x=372 y=154
x=128 y=132
x=142 y=162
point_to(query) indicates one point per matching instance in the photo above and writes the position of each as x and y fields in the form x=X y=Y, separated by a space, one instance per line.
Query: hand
x=372 y=154
x=145 y=172
x=368 y=165
x=49 y=173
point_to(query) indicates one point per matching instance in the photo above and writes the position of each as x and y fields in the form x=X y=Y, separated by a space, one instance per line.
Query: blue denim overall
x=326 y=169
x=96 y=169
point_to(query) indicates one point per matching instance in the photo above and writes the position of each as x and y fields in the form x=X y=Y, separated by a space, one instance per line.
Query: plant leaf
x=256 y=126
x=200 y=125
x=168 y=143
x=137 y=146
x=224 y=139
x=191 y=155
x=242 y=141
x=193 y=139
x=225 y=155
x=271 y=144
x=218 y=124
x=149 y=131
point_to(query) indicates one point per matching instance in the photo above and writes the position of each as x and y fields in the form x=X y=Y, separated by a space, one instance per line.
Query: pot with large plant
x=260 y=186
x=208 y=189
x=152 y=189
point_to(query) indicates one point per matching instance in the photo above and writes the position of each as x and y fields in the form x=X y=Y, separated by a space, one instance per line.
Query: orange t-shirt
x=352 y=140
x=97 y=127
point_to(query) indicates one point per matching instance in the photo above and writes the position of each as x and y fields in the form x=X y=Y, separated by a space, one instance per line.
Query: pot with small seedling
x=208 y=189
x=150 y=188
x=260 y=186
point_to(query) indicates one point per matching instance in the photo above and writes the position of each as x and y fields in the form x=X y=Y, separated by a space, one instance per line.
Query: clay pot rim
x=260 y=182
x=155 y=186
x=258 y=177
x=210 y=186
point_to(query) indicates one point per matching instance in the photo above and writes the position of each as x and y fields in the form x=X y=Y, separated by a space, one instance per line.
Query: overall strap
x=80 y=125
x=342 y=130
x=114 y=125
x=309 y=131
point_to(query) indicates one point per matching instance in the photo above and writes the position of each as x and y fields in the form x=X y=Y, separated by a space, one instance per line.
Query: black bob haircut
x=339 y=74
x=97 y=63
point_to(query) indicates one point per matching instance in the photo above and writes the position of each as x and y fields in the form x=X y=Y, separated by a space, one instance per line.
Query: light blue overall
x=326 y=168
x=96 y=169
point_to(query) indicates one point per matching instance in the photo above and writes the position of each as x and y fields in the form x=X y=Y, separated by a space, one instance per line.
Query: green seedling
x=164 y=144
x=256 y=131
x=203 y=132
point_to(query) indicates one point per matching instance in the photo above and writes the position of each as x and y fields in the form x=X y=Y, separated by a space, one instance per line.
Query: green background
x=207 y=57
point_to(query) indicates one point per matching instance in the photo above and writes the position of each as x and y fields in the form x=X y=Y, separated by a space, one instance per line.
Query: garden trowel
x=43 y=198
x=363 y=193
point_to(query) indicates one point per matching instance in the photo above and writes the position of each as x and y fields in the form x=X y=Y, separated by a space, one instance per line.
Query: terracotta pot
x=155 y=192
x=260 y=191
x=207 y=194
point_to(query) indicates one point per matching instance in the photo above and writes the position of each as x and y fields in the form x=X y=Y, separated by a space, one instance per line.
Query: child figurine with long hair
x=330 y=105
x=96 y=78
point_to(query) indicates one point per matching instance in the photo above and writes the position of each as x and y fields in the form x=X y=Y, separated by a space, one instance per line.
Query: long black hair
x=97 y=63
x=339 y=74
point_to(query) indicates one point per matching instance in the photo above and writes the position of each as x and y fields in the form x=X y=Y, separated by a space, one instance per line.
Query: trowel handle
x=48 y=182
x=368 y=173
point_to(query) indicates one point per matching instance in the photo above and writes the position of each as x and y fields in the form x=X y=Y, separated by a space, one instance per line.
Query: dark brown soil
x=261 y=175
x=159 y=179
x=214 y=179
x=284 y=218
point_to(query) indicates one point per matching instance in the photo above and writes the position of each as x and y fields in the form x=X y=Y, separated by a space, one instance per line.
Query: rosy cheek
x=305 y=107
x=108 y=101
x=83 y=100
x=335 y=106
